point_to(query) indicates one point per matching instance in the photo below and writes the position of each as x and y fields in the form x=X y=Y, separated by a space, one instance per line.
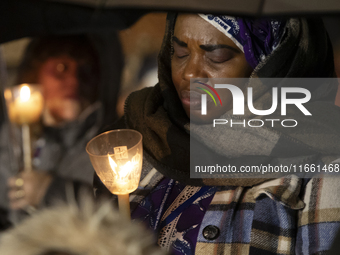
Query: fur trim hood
x=84 y=230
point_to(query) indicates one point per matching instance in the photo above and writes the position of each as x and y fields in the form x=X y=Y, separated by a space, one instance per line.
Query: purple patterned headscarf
x=257 y=38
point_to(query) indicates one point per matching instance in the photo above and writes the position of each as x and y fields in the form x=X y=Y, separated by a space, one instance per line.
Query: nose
x=193 y=68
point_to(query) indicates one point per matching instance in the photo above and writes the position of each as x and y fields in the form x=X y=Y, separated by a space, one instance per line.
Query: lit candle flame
x=112 y=164
x=25 y=93
x=124 y=170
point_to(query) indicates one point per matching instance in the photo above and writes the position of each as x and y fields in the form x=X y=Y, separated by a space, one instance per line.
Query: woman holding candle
x=80 y=77
x=237 y=215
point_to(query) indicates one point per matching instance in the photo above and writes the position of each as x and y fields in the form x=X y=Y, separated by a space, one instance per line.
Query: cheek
x=241 y=68
x=238 y=67
x=245 y=71
x=227 y=100
x=51 y=87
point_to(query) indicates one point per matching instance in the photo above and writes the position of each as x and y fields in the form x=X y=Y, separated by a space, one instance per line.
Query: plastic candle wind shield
x=117 y=158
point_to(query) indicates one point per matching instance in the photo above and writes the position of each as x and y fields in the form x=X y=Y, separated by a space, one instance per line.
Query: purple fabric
x=148 y=210
x=189 y=222
x=260 y=38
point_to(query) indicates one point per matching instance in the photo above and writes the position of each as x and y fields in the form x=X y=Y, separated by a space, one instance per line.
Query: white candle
x=125 y=180
x=25 y=105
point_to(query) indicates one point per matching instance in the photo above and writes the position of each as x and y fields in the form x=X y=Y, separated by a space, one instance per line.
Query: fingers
x=15 y=182
x=11 y=182
x=18 y=204
x=16 y=193
x=19 y=182
x=28 y=189
x=17 y=198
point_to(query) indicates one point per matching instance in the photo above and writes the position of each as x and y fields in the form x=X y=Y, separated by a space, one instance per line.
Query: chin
x=71 y=110
x=66 y=110
x=196 y=117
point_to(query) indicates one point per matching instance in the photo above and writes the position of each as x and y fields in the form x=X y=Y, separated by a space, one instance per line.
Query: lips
x=193 y=99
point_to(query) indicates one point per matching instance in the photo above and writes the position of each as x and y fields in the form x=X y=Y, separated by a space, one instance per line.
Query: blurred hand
x=28 y=189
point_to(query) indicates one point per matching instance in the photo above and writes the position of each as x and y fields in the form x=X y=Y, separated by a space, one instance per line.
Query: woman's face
x=58 y=77
x=202 y=51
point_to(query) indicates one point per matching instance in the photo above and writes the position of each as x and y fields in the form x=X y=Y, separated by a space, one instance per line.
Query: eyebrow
x=207 y=47
x=179 y=42
x=212 y=47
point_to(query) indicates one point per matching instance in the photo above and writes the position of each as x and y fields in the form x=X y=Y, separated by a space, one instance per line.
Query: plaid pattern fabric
x=319 y=221
x=282 y=216
x=258 y=220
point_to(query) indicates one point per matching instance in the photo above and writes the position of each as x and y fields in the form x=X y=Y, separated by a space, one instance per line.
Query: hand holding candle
x=117 y=159
x=25 y=104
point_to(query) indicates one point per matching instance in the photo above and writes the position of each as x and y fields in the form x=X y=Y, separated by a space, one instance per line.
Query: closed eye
x=220 y=55
x=183 y=56
x=180 y=51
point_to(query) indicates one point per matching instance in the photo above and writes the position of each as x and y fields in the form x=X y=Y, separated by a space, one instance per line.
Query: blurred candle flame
x=25 y=104
x=25 y=93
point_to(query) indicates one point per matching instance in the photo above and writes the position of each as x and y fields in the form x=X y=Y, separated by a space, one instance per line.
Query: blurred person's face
x=202 y=51
x=58 y=77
